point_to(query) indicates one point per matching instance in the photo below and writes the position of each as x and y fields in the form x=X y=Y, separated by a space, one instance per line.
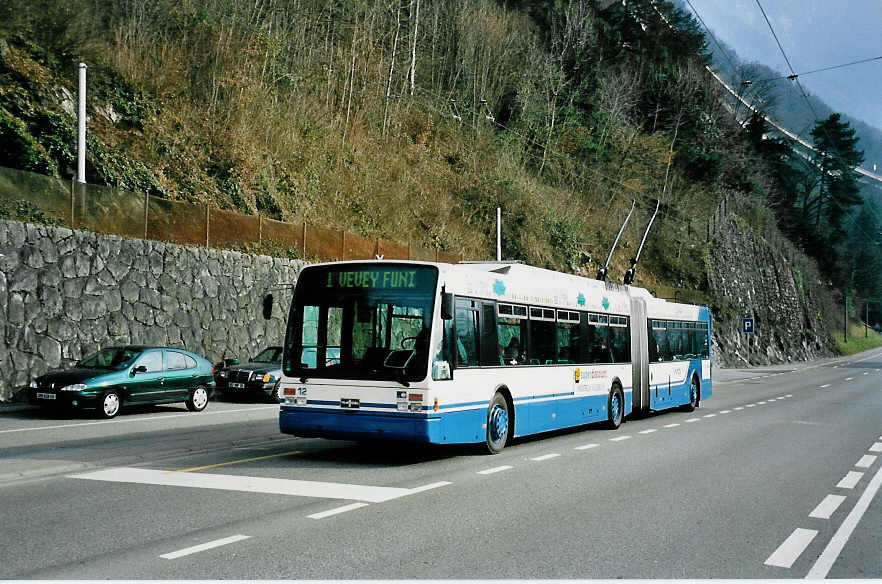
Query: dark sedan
x=111 y=377
x=260 y=375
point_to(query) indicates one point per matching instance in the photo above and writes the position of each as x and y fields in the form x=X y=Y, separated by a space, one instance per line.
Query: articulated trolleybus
x=480 y=352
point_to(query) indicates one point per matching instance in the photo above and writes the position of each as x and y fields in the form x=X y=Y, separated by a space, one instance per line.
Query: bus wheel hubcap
x=615 y=407
x=498 y=423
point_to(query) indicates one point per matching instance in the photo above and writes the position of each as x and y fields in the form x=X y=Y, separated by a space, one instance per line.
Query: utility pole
x=81 y=126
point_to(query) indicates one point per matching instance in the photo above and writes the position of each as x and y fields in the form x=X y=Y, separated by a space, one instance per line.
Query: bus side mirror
x=268 y=306
x=447 y=306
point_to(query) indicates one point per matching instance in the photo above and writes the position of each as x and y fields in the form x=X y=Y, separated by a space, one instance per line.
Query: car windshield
x=269 y=355
x=109 y=358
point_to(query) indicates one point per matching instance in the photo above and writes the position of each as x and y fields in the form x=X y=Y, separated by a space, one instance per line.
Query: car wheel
x=198 y=399
x=615 y=409
x=498 y=423
x=693 y=396
x=110 y=405
x=275 y=395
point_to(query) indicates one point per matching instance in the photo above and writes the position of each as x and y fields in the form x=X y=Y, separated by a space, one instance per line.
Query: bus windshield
x=368 y=322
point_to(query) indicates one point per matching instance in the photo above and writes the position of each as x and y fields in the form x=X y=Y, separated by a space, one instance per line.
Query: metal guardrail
x=114 y=211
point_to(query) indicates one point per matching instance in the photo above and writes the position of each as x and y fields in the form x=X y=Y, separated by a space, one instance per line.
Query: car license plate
x=237 y=385
x=45 y=396
x=348 y=402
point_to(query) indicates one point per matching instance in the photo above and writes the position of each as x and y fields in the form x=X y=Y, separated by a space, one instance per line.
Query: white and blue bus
x=480 y=352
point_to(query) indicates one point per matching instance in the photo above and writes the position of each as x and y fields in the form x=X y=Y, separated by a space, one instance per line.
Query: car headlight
x=224 y=373
x=74 y=387
x=269 y=378
x=33 y=384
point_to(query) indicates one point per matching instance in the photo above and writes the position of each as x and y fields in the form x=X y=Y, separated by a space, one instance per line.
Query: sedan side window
x=152 y=360
x=176 y=361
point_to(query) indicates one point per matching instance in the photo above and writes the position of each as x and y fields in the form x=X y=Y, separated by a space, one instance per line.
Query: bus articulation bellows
x=480 y=352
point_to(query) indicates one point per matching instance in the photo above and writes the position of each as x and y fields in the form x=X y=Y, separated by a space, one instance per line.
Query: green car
x=114 y=376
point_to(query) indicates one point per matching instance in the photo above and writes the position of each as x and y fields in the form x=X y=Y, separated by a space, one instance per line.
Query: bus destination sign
x=373 y=279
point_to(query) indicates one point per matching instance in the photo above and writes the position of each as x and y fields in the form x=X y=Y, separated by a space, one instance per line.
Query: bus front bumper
x=367 y=425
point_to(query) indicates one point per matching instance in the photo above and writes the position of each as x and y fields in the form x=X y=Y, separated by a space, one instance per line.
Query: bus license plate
x=348 y=402
x=237 y=385
x=45 y=396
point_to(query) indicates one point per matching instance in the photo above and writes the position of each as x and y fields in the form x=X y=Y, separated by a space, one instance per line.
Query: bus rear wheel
x=694 y=396
x=498 y=423
x=615 y=408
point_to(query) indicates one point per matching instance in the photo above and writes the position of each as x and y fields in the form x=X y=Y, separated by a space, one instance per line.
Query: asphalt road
x=775 y=476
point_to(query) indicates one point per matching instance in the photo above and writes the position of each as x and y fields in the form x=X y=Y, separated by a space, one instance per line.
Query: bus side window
x=466 y=335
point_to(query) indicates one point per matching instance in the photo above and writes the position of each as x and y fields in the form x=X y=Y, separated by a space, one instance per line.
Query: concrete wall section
x=64 y=293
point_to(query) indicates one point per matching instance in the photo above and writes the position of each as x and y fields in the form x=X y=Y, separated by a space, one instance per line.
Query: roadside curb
x=15 y=407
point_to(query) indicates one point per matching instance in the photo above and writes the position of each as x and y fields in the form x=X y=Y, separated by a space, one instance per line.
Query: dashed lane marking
x=650 y=431
x=725 y=411
x=866 y=461
x=709 y=416
x=671 y=425
x=203 y=546
x=495 y=469
x=825 y=386
x=545 y=457
x=840 y=538
x=792 y=548
x=619 y=438
x=337 y=510
x=850 y=480
x=739 y=408
x=827 y=507
x=690 y=420
x=849 y=378
x=585 y=447
x=877 y=447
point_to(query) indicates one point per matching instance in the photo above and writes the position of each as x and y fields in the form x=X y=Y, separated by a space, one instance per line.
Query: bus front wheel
x=498 y=423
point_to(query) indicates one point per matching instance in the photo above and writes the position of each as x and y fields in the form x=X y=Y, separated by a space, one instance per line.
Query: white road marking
x=619 y=439
x=849 y=378
x=751 y=405
x=850 y=480
x=792 y=548
x=866 y=461
x=650 y=431
x=840 y=538
x=126 y=420
x=827 y=507
x=428 y=487
x=223 y=482
x=671 y=425
x=789 y=395
x=877 y=447
x=545 y=457
x=585 y=447
x=204 y=546
x=739 y=408
x=710 y=416
x=495 y=469
x=337 y=510
x=690 y=420
x=760 y=403
x=826 y=385
x=725 y=411
x=866 y=372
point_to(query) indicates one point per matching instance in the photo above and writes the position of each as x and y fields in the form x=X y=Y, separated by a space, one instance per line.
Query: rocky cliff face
x=65 y=293
x=765 y=278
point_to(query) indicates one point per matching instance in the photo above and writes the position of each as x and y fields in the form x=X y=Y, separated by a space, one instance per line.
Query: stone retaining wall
x=65 y=293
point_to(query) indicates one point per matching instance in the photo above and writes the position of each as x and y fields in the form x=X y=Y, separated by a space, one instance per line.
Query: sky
x=814 y=34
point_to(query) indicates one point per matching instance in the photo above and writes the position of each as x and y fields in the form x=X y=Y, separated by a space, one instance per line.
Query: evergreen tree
x=836 y=157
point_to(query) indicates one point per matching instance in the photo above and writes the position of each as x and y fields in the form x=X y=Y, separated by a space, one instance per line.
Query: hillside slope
x=410 y=121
